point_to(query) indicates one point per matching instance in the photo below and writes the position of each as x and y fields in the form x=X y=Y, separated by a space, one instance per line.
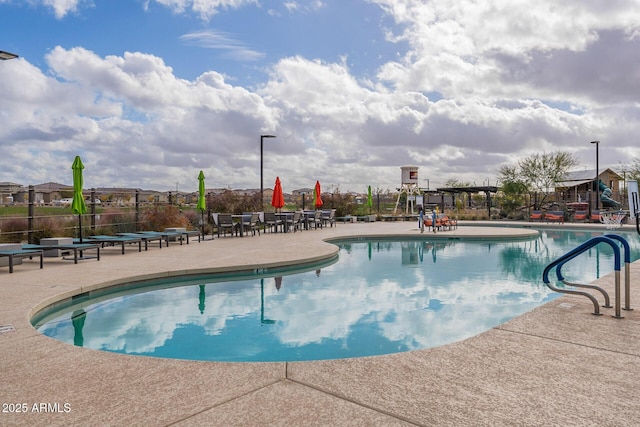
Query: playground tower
x=409 y=187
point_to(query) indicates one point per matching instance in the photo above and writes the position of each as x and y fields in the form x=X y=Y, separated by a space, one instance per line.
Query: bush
x=46 y=227
x=230 y=202
x=161 y=217
x=13 y=230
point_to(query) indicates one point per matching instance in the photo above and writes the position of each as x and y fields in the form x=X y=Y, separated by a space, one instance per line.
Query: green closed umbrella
x=78 y=206
x=77 y=320
x=369 y=199
x=202 y=203
x=201 y=299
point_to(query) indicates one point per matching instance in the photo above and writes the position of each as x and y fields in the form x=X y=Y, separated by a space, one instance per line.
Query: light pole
x=262 y=137
x=7 y=55
x=597 y=172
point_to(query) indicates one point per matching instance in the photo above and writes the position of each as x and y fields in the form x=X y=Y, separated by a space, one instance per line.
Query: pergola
x=487 y=190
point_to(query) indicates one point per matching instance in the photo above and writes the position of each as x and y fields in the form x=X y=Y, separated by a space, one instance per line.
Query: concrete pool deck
x=556 y=365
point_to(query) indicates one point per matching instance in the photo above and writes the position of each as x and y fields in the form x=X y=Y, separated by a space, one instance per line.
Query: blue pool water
x=379 y=297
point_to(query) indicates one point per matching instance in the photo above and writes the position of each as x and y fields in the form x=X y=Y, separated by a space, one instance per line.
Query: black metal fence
x=39 y=222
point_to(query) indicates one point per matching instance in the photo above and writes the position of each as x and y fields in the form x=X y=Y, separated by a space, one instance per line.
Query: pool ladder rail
x=611 y=240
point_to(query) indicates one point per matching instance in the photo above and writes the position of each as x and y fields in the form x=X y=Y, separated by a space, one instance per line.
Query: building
x=579 y=186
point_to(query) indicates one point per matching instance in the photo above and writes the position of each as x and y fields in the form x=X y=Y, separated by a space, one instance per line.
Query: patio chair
x=449 y=223
x=225 y=223
x=250 y=223
x=295 y=221
x=316 y=220
x=272 y=222
x=329 y=217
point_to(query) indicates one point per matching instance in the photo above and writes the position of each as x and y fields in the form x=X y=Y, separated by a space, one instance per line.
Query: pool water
x=379 y=297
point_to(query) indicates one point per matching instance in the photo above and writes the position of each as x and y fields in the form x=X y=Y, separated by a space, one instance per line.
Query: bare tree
x=633 y=173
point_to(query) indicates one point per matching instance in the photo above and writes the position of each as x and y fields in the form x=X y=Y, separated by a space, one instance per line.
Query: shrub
x=13 y=230
x=46 y=227
x=161 y=217
x=230 y=202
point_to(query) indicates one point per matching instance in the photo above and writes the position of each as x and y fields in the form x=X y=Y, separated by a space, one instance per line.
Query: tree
x=633 y=174
x=537 y=173
x=455 y=183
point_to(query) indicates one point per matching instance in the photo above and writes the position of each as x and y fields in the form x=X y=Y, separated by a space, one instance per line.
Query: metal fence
x=39 y=222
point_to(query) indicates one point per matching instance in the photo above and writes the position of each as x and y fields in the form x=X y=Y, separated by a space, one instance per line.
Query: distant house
x=8 y=191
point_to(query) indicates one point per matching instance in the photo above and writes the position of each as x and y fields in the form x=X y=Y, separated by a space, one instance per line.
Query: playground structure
x=409 y=187
x=605 y=197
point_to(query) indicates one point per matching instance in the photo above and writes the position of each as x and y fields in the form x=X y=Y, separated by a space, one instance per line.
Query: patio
x=556 y=365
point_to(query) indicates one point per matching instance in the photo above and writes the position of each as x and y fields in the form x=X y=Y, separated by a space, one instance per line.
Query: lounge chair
x=21 y=253
x=75 y=247
x=168 y=235
x=113 y=240
x=146 y=238
x=595 y=216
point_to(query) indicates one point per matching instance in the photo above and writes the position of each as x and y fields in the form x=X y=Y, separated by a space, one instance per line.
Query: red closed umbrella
x=318 y=201
x=277 y=200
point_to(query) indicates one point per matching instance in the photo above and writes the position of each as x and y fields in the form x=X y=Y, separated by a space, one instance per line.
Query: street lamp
x=262 y=137
x=7 y=55
x=597 y=173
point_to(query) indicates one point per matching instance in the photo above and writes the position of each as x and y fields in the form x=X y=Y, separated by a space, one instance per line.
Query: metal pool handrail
x=558 y=263
x=627 y=269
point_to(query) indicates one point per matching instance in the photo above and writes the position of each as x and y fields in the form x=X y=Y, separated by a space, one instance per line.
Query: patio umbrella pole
x=202 y=222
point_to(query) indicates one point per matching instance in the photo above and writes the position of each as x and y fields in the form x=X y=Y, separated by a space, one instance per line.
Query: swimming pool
x=380 y=297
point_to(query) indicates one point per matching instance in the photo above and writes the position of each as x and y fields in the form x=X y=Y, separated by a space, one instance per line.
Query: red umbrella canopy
x=318 y=201
x=277 y=200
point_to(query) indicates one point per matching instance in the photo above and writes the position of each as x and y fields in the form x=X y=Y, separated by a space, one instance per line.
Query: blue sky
x=239 y=43
x=150 y=92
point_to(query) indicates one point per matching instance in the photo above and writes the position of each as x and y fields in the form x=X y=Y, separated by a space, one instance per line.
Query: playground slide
x=605 y=197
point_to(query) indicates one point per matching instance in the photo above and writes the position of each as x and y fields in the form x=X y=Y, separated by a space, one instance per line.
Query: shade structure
x=317 y=197
x=202 y=204
x=78 y=205
x=277 y=200
x=369 y=199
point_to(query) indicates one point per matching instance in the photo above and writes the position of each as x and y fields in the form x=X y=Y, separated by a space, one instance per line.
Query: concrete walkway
x=556 y=365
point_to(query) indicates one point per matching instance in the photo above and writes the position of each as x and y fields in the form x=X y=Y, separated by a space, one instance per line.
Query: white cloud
x=205 y=8
x=482 y=83
x=62 y=8
x=230 y=47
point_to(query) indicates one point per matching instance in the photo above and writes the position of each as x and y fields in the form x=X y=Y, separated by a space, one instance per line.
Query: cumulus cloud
x=64 y=7
x=480 y=84
x=205 y=8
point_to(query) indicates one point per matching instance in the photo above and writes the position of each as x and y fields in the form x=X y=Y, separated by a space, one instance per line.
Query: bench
x=554 y=216
x=536 y=216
